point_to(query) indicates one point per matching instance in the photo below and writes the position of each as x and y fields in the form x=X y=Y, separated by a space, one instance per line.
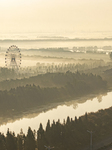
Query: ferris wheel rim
x=13 y=57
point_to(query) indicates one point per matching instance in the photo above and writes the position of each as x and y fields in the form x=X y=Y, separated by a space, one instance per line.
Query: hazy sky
x=55 y=15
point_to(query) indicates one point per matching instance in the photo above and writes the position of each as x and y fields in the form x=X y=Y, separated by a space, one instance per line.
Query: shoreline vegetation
x=65 y=87
x=35 y=111
x=72 y=133
x=9 y=78
x=61 y=87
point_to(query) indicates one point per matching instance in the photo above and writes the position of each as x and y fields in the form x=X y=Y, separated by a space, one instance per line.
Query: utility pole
x=48 y=147
x=91 y=146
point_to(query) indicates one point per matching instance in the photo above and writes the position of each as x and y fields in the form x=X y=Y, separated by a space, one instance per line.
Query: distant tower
x=13 y=57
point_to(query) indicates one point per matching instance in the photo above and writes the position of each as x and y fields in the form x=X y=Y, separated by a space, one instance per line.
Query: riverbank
x=72 y=133
x=18 y=102
x=99 y=123
x=77 y=107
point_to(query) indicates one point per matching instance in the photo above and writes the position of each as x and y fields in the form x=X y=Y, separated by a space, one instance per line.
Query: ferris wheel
x=13 y=57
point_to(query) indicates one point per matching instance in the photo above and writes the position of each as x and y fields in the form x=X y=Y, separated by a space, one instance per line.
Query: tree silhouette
x=110 y=55
x=11 y=141
x=30 y=140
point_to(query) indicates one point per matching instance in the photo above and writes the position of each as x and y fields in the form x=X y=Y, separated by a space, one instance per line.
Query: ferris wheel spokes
x=13 y=57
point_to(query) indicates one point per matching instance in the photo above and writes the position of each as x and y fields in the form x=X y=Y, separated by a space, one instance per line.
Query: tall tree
x=40 y=138
x=30 y=140
x=111 y=55
x=2 y=142
x=11 y=141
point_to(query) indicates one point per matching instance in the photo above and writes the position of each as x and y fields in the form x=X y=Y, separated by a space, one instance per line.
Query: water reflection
x=99 y=98
x=75 y=105
x=72 y=109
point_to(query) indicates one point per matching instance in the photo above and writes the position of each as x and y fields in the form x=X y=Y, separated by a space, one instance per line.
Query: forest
x=69 y=135
x=48 y=84
x=59 y=66
x=65 y=87
x=42 y=74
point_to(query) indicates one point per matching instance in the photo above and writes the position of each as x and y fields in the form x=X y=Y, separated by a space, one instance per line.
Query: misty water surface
x=48 y=44
x=71 y=109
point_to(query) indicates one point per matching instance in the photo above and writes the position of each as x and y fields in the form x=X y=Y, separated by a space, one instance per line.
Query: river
x=72 y=108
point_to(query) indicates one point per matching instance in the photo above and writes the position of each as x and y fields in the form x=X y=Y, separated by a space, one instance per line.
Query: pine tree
x=30 y=140
x=19 y=142
x=11 y=141
x=48 y=126
x=40 y=138
x=2 y=142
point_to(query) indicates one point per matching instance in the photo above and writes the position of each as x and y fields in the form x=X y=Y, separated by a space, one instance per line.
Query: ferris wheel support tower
x=13 y=57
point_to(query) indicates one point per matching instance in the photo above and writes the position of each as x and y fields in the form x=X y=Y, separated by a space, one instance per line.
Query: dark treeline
x=73 y=85
x=41 y=68
x=10 y=73
x=55 y=80
x=66 y=49
x=7 y=73
x=73 y=67
x=69 y=135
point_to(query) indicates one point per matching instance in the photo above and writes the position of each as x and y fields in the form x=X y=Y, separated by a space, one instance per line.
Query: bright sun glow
x=15 y=2
x=8 y=2
x=55 y=15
